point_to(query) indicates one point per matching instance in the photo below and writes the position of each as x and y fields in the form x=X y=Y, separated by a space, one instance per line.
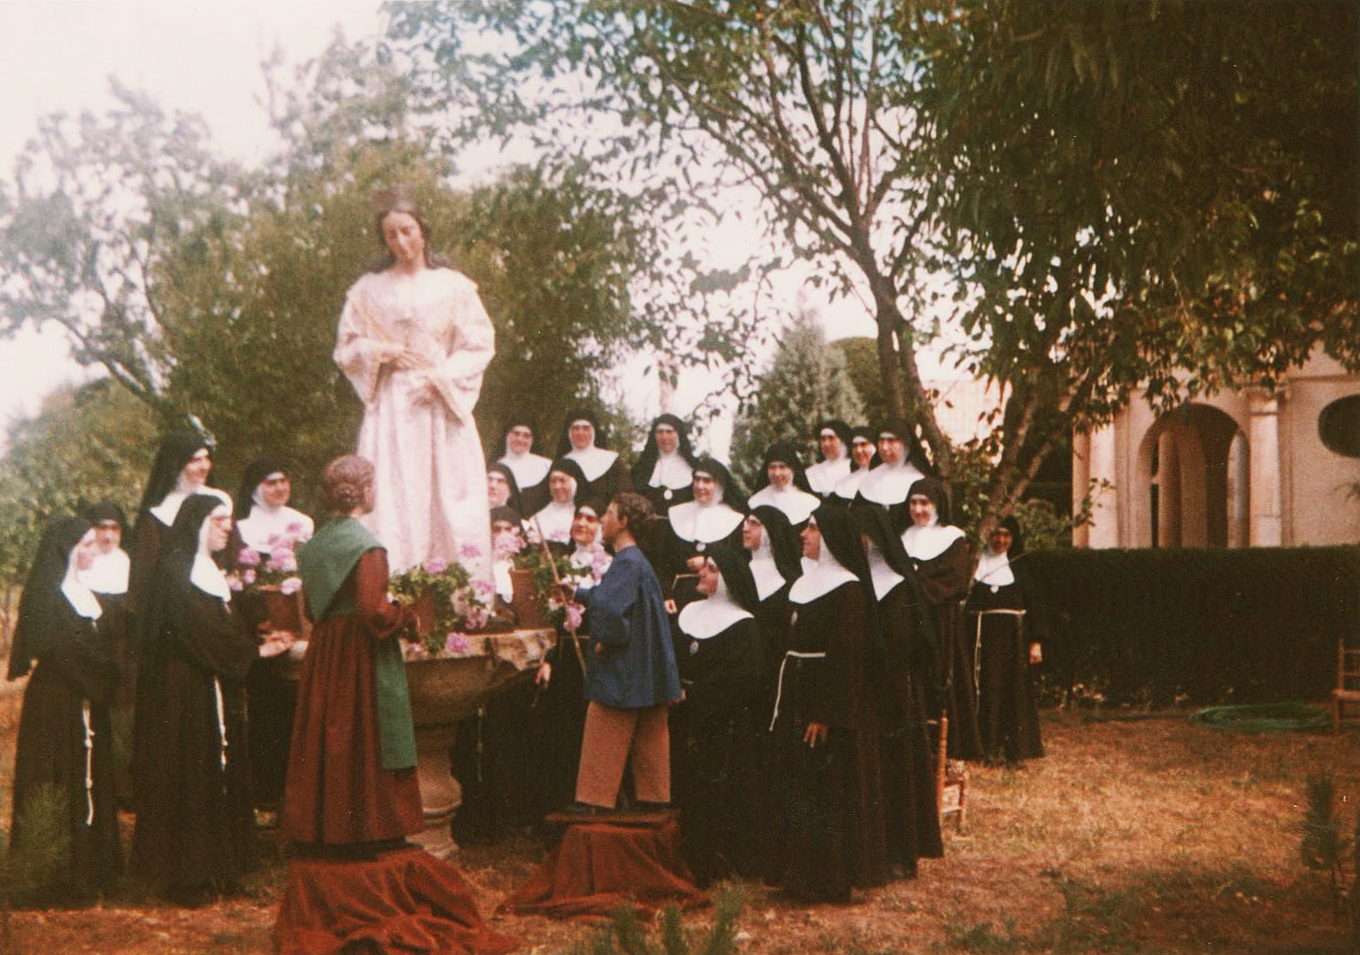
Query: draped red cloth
x=405 y=901
x=599 y=866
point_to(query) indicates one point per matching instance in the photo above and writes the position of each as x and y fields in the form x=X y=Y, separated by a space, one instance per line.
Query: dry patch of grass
x=1143 y=836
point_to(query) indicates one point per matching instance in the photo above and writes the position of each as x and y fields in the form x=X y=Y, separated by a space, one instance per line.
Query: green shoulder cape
x=324 y=563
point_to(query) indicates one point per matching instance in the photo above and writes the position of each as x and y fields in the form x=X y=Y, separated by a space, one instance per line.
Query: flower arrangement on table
x=449 y=602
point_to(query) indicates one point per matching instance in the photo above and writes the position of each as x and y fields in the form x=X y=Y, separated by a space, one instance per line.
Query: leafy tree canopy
x=1157 y=197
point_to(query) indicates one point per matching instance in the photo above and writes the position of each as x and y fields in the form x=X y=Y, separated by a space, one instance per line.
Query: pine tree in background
x=807 y=382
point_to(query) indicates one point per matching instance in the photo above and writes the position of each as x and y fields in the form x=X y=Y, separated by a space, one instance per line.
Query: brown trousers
x=611 y=736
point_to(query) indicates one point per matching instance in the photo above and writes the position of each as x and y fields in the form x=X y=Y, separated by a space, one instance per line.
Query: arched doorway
x=1193 y=469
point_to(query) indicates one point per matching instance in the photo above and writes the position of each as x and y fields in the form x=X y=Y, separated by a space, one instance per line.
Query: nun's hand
x=544 y=674
x=1036 y=653
x=276 y=642
x=816 y=733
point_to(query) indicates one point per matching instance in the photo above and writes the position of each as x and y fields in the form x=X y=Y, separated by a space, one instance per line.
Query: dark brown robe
x=195 y=818
x=830 y=826
x=338 y=792
x=945 y=579
x=1008 y=716
x=75 y=670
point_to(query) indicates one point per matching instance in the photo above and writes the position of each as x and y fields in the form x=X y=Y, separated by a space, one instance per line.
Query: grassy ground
x=1145 y=835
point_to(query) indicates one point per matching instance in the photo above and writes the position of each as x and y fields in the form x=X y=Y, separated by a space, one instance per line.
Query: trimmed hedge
x=1196 y=626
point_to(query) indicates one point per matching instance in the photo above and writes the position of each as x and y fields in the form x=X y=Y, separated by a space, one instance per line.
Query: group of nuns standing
x=148 y=633
x=819 y=626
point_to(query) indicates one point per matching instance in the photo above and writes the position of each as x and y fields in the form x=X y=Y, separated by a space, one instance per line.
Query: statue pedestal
x=445 y=691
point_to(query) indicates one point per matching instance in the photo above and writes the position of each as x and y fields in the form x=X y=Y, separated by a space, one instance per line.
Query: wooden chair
x=1347 y=680
x=951 y=780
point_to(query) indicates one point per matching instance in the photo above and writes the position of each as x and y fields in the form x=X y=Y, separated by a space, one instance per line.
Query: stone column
x=1104 y=531
x=1263 y=443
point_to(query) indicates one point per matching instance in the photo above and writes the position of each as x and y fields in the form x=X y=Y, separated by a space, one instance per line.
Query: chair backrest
x=1347 y=667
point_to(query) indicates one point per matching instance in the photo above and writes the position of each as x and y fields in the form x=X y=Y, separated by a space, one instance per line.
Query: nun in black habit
x=715 y=730
x=108 y=578
x=195 y=832
x=271 y=529
x=829 y=828
x=183 y=466
x=502 y=490
x=264 y=519
x=833 y=457
x=64 y=755
x=863 y=459
x=691 y=529
x=664 y=472
x=567 y=484
x=584 y=441
x=906 y=684
x=943 y=563
x=783 y=484
x=530 y=469
x=1004 y=619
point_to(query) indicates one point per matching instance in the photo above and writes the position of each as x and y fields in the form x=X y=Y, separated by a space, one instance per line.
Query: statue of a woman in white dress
x=414 y=341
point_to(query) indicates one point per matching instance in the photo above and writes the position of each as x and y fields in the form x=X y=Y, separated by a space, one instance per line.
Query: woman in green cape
x=351 y=771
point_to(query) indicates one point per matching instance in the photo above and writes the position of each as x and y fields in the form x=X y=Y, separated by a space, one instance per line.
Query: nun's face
x=585 y=526
x=519 y=440
x=497 y=489
x=199 y=467
x=891 y=450
x=751 y=533
x=780 y=475
x=276 y=489
x=667 y=439
x=812 y=540
x=401 y=232
x=708 y=578
x=86 y=549
x=219 y=529
x=1000 y=540
x=562 y=487
x=922 y=510
x=582 y=435
x=831 y=446
x=705 y=488
x=862 y=451
x=109 y=534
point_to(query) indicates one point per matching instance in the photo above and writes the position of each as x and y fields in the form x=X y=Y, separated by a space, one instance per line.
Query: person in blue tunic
x=631 y=677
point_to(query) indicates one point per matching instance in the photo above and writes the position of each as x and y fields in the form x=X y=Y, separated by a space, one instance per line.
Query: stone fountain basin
x=447 y=689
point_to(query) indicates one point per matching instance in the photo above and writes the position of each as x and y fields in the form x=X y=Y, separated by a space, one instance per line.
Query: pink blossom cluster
x=507 y=544
x=575 y=614
x=458 y=644
x=599 y=563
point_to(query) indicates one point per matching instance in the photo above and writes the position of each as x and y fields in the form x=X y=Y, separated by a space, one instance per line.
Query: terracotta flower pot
x=283 y=610
x=525 y=599
x=425 y=615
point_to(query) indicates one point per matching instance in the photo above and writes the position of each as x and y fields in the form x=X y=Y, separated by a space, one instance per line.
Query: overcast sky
x=58 y=55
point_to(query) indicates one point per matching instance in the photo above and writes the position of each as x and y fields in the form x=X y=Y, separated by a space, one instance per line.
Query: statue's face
x=401 y=232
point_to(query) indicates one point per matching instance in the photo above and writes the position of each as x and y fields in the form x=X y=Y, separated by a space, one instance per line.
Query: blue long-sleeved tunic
x=628 y=619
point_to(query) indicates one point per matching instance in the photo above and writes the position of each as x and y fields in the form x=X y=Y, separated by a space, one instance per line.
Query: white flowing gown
x=431 y=475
